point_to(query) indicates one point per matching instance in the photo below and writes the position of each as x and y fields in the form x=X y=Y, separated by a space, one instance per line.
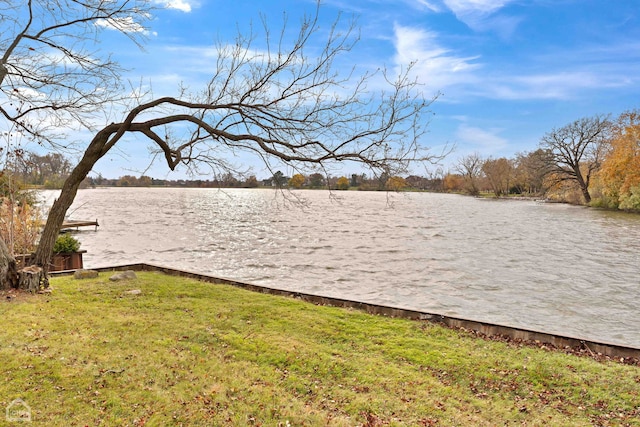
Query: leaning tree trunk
x=8 y=273
x=37 y=273
x=584 y=186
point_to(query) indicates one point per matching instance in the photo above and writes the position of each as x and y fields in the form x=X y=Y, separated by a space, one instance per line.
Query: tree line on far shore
x=593 y=161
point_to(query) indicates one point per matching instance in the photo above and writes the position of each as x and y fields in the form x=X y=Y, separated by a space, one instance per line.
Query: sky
x=505 y=72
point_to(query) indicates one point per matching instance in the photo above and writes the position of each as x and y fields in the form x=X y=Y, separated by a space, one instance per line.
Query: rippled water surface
x=548 y=267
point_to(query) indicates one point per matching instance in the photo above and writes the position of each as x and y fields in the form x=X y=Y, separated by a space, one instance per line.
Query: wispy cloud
x=436 y=66
x=126 y=24
x=560 y=85
x=182 y=5
x=568 y=76
x=572 y=75
x=480 y=15
x=486 y=141
x=372 y=8
x=475 y=7
x=426 y=4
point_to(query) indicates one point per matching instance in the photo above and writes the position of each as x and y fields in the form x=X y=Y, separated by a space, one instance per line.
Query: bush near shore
x=183 y=352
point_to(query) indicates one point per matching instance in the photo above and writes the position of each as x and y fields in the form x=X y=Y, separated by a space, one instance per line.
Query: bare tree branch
x=52 y=75
x=284 y=102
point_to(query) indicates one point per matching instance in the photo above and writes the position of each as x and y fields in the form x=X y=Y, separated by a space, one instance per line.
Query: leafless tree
x=577 y=150
x=470 y=167
x=284 y=101
x=52 y=75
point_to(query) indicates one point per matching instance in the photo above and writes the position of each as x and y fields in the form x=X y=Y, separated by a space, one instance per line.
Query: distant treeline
x=593 y=161
x=280 y=180
x=48 y=171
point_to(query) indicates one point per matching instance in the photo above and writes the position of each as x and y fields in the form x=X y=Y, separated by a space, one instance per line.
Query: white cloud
x=182 y=5
x=561 y=85
x=558 y=85
x=29 y=93
x=485 y=141
x=428 y=4
x=571 y=76
x=478 y=15
x=475 y=7
x=436 y=66
x=382 y=7
x=126 y=24
x=441 y=69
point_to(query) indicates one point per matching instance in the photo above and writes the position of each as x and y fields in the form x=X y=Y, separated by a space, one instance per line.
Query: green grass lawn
x=195 y=354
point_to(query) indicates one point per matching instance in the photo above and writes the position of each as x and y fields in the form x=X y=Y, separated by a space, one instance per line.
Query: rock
x=133 y=292
x=123 y=275
x=85 y=274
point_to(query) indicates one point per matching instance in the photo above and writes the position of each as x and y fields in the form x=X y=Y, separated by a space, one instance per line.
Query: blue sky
x=508 y=71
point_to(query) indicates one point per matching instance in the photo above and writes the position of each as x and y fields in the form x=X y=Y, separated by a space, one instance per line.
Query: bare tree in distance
x=577 y=150
x=284 y=101
x=470 y=167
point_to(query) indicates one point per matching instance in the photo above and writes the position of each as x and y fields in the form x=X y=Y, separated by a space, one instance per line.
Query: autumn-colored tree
x=562 y=190
x=531 y=170
x=499 y=173
x=296 y=181
x=620 y=172
x=251 y=182
x=453 y=183
x=396 y=183
x=145 y=181
x=20 y=218
x=127 y=181
x=342 y=183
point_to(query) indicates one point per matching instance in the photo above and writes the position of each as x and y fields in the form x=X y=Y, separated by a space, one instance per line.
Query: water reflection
x=556 y=268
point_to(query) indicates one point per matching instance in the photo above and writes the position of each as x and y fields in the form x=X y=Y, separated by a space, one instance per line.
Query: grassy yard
x=194 y=354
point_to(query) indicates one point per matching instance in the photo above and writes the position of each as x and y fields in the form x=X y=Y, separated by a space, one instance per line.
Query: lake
x=553 y=268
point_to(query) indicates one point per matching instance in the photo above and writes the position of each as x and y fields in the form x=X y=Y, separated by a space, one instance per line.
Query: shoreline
x=517 y=336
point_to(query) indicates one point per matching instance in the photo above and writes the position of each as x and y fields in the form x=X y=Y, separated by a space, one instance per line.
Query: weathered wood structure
x=76 y=224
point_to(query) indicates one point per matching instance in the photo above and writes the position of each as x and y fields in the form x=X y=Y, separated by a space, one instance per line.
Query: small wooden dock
x=69 y=224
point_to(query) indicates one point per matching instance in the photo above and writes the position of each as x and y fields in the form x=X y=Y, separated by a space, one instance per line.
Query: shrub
x=631 y=200
x=20 y=216
x=297 y=181
x=66 y=243
x=343 y=183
